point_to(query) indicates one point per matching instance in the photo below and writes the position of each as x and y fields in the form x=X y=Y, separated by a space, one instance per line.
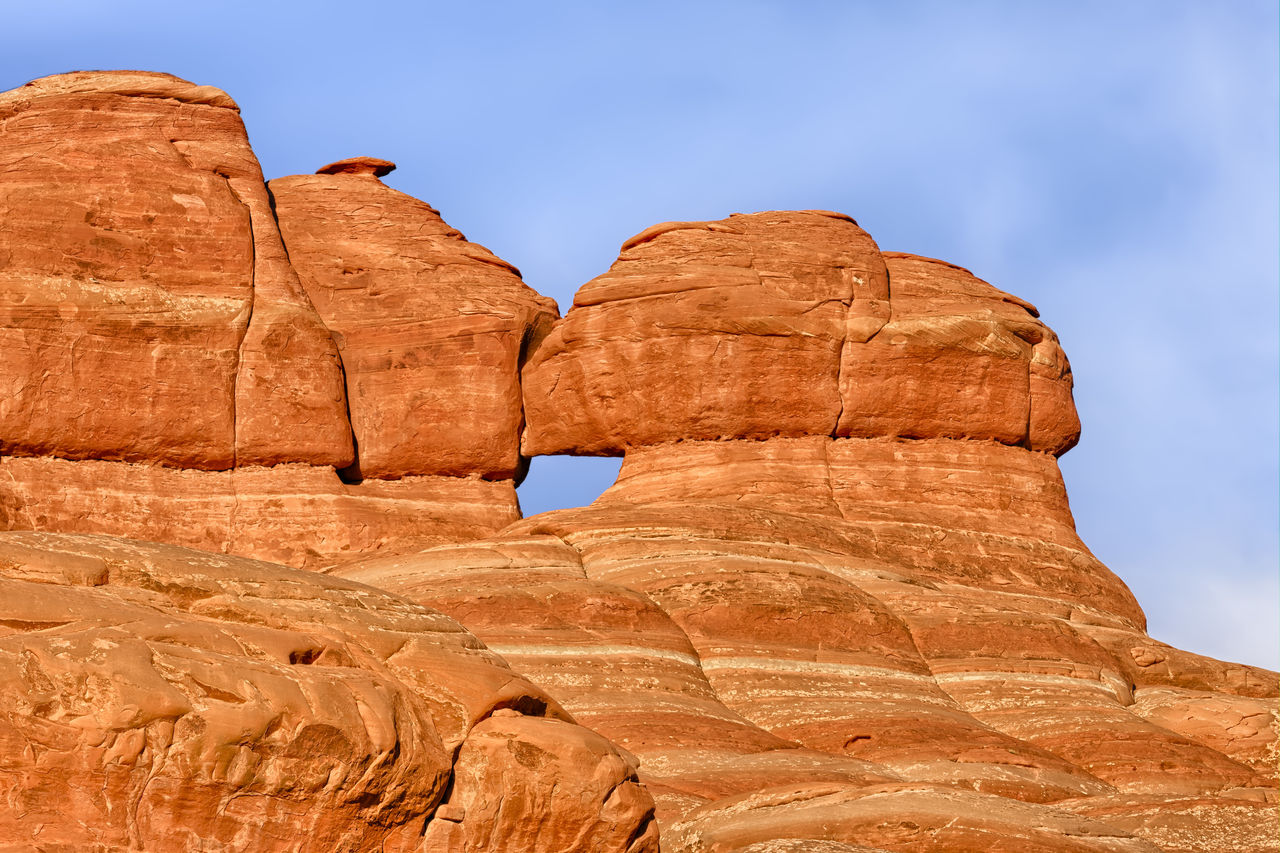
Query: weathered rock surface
x=707 y=330
x=432 y=328
x=741 y=640
x=299 y=515
x=147 y=309
x=958 y=359
x=791 y=323
x=900 y=817
x=157 y=698
x=155 y=332
x=835 y=601
x=871 y=625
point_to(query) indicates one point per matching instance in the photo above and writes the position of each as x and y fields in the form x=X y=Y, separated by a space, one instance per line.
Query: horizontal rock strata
x=836 y=595
x=738 y=645
x=299 y=515
x=792 y=323
x=835 y=601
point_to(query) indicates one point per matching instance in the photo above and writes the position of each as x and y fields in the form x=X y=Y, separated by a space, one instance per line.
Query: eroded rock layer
x=147 y=308
x=791 y=323
x=299 y=515
x=157 y=698
x=849 y=648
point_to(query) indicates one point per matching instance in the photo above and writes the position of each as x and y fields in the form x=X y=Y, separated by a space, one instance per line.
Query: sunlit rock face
x=167 y=374
x=836 y=596
x=835 y=600
x=158 y=698
x=431 y=327
x=792 y=323
x=147 y=308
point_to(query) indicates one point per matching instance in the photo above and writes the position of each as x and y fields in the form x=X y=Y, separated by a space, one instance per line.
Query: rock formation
x=781 y=324
x=432 y=329
x=167 y=375
x=158 y=698
x=836 y=595
x=835 y=601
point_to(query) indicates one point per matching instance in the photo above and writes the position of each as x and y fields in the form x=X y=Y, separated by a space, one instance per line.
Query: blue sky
x=1114 y=163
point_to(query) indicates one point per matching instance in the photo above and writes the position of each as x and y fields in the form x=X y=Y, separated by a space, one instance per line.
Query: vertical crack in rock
x=852 y=340
x=349 y=474
x=248 y=322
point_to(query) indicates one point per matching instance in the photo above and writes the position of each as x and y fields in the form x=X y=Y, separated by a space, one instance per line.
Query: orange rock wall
x=791 y=323
x=299 y=515
x=167 y=374
x=836 y=639
x=158 y=698
x=147 y=309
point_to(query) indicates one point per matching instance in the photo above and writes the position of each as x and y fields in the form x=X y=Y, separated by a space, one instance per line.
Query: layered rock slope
x=167 y=374
x=836 y=595
x=834 y=602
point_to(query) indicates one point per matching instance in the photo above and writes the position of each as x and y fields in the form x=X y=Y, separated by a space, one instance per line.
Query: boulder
x=708 y=330
x=958 y=359
x=792 y=323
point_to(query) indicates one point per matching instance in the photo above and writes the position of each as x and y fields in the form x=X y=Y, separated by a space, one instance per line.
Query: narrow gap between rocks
x=564 y=482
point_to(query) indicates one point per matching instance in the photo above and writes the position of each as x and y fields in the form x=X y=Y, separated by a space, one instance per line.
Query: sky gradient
x=1115 y=164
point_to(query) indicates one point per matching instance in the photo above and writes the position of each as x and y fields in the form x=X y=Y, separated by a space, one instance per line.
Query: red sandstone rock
x=907 y=819
x=958 y=359
x=519 y=783
x=158 y=698
x=834 y=603
x=705 y=330
x=432 y=328
x=374 y=166
x=974 y=513
x=792 y=323
x=300 y=515
x=155 y=332
x=913 y=597
x=727 y=603
x=147 y=309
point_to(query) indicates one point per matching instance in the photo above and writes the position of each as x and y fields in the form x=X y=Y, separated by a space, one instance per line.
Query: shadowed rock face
x=835 y=601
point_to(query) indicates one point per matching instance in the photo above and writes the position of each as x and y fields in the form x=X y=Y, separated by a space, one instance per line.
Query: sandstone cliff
x=167 y=374
x=836 y=593
x=834 y=602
